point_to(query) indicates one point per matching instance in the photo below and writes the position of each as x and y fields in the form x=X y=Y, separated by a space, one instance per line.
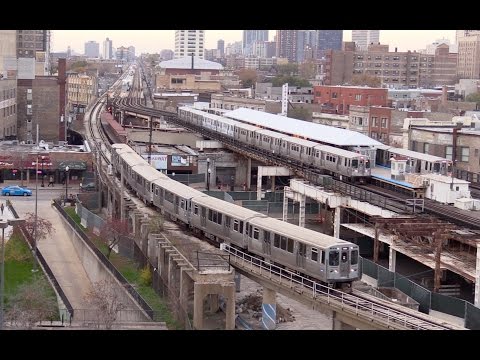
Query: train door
x=361 y=166
x=175 y=204
x=248 y=230
x=344 y=262
x=301 y=253
x=203 y=217
x=226 y=226
x=267 y=245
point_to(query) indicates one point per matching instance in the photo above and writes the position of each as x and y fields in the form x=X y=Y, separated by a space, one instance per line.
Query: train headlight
x=335 y=271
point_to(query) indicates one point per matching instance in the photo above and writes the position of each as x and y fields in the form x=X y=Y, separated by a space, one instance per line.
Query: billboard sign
x=178 y=160
x=159 y=161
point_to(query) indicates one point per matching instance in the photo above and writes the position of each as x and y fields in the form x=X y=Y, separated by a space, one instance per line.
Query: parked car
x=88 y=187
x=16 y=190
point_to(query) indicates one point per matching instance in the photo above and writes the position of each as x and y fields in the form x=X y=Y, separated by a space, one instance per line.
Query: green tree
x=291 y=80
x=365 y=79
x=308 y=69
x=248 y=77
x=475 y=97
x=299 y=113
x=289 y=69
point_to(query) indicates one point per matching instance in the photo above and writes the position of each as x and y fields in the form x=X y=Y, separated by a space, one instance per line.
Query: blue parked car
x=16 y=190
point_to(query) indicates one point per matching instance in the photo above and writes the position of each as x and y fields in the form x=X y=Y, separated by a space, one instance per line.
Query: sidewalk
x=72 y=184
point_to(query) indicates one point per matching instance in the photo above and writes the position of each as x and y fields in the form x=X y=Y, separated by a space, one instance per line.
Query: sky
x=152 y=41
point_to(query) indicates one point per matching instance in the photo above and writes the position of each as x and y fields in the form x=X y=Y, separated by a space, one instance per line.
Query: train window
x=333 y=258
x=290 y=245
x=283 y=243
x=436 y=167
x=156 y=191
x=227 y=222
x=219 y=219
x=354 y=257
x=214 y=216
x=354 y=163
x=345 y=164
x=235 y=225
x=344 y=256
x=241 y=227
x=314 y=254
x=266 y=237
x=182 y=204
x=323 y=257
x=210 y=214
x=195 y=209
x=367 y=164
x=256 y=233
x=276 y=241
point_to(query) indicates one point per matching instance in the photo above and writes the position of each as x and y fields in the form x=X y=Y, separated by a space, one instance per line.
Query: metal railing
x=334 y=298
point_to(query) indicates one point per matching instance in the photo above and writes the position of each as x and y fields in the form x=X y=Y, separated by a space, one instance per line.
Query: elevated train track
x=358 y=305
x=386 y=199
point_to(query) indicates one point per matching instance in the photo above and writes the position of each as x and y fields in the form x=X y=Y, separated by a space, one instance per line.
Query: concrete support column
x=185 y=283
x=336 y=223
x=259 y=183
x=229 y=295
x=376 y=244
x=477 y=278
x=392 y=260
x=273 y=183
x=170 y=269
x=122 y=117
x=213 y=303
x=269 y=309
x=28 y=177
x=249 y=173
x=198 y=306
x=338 y=324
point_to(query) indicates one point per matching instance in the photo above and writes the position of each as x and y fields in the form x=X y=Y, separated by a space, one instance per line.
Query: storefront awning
x=72 y=165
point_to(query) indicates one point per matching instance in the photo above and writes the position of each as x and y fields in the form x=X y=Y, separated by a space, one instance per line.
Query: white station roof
x=186 y=63
x=316 y=132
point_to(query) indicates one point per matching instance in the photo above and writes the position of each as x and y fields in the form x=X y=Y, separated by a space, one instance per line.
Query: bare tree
x=32 y=303
x=155 y=225
x=105 y=298
x=112 y=230
x=44 y=226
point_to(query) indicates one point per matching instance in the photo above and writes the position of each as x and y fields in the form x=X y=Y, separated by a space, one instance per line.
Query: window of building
x=334 y=95
x=384 y=123
x=358 y=97
x=426 y=148
x=374 y=121
x=448 y=152
x=465 y=154
x=29 y=110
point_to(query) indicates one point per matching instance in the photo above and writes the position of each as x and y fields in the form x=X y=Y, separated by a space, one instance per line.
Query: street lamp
x=4 y=224
x=66 y=185
x=208 y=174
x=43 y=160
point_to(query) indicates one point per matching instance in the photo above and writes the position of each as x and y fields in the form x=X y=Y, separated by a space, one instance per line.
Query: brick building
x=338 y=99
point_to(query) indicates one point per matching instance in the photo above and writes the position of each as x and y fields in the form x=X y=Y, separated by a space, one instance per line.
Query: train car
x=174 y=198
x=117 y=151
x=298 y=149
x=217 y=220
x=317 y=255
x=417 y=163
x=269 y=140
x=342 y=163
x=245 y=133
x=144 y=175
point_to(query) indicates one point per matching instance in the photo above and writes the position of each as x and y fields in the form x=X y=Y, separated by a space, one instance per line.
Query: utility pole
x=121 y=192
x=150 y=141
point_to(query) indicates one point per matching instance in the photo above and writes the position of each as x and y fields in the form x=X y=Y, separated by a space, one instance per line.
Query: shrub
x=146 y=276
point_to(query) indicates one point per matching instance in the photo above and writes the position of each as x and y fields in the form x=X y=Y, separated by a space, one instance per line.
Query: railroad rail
x=391 y=317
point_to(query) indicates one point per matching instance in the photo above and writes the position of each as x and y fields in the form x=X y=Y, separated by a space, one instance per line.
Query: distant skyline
x=152 y=41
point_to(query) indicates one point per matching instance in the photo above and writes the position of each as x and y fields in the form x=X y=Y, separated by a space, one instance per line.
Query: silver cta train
x=318 y=256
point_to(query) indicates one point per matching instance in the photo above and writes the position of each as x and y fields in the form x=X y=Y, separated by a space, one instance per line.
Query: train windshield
x=436 y=167
x=354 y=257
x=367 y=164
x=354 y=163
x=333 y=258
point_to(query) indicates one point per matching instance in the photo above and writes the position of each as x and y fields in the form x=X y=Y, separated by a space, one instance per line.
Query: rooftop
x=311 y=131
x=186 y=63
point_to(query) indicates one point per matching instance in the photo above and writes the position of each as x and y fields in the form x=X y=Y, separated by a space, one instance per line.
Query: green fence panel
x=403 y=284
x=448 y=304
x=422 y=296
x=386 y=278
x=472 y=317
x=369 y=268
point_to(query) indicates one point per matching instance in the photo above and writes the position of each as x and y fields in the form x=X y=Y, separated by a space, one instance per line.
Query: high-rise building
x=166 y=54
x=221 y=47
x=8 y=54
x=131 y=51
x=107 y=51
x=463 y=33
x=189 y=42
x=250 y=36
x=328 y=40
x=92 y=49
x=363 y=38
x=287 y=44
x=34 y=44
x=469 y=57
